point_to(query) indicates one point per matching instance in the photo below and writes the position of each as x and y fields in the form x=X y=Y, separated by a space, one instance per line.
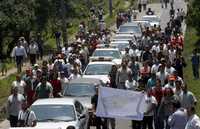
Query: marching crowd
x=158 y=72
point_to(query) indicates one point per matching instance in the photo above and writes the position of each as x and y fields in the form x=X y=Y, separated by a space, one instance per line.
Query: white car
x=61 y=113
x=121 y=45
x=143 y=24
x=124 y=37
x=153 y=19
x=114 y=53
x=99 y=69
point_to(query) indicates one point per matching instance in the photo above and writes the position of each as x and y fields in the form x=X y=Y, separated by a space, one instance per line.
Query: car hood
x=58 y=125
x=104 y=78
x=86 y=101
x=117 y=61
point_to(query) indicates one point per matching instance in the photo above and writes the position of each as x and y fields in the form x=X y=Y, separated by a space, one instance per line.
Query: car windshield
x=98 y=69
x=107 y=53
x=151 y=19
x=129 y=29
x=121 y=46
x=54 y=112
x=79 y=89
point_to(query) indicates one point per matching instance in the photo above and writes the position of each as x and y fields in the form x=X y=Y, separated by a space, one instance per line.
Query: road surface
x=164 y=15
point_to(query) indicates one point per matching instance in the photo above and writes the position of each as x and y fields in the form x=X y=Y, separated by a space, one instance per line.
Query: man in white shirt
x=14 y=106
x=64 y=81
x=19 y=53
x=33 y=51
x=150 y=104
x=162 y=75
x=26 y=117
x=169 y=69
x=20 y=84
x=193 y=121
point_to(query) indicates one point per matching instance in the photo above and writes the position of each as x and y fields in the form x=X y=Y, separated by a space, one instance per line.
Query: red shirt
x=158 y=94
x=56 y=84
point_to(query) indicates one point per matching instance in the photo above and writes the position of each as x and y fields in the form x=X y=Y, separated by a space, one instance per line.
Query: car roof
x=107 y=49
x=120 y=41
x=150 y=16
x=130 y=24
x=123 y=35
x=85 y=80
x=102 y=62
x=141 y=21
x=55 y=101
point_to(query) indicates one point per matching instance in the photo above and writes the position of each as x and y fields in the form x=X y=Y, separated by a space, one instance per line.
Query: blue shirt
x=195 y=60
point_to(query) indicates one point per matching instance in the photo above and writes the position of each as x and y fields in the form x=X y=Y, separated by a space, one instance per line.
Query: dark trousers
x=19 y=62
x=33 y=59
x=101 y=123
x=195 y=69
x=147 y=122
x=136 y=124
x=13 y=121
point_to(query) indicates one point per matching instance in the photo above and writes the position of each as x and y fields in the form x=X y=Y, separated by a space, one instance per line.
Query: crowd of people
x=158 y=72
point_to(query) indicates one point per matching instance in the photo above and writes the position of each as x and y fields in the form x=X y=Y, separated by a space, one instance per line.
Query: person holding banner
x=150 y=103
x=100 y=123
x=122 y=75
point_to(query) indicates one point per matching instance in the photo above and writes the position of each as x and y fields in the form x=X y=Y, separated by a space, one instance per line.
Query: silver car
x=83 y=89
x=131 y=28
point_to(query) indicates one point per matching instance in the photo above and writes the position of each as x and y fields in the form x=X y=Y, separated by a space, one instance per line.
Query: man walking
x=26 y=117
x=14 y=106
x=19 y=53
x=194 y=121
x=33 y=51
x=195 y=64
x=178 y=119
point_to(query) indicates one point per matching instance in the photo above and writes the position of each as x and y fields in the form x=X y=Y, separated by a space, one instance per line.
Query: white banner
x=122 y=104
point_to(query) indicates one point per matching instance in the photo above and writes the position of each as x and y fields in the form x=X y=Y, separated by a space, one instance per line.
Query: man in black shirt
x=99 y=122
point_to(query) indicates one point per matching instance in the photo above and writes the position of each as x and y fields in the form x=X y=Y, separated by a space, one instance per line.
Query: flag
x=122 y=104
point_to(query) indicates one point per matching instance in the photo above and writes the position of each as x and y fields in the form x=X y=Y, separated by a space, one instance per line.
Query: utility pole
x=64 y=23
x=110 y=8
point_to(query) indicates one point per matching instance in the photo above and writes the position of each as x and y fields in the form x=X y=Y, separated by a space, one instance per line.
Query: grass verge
x=191 y=38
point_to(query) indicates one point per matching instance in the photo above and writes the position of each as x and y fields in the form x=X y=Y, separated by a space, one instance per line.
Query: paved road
x=164 y=15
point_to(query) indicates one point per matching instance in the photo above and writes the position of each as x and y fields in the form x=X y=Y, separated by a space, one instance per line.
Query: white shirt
x=33 y=48
x=64 y=81
x=162 y=76
x=131 y=85
x=20 y=85
x=149 y=102
x=28 y=116
x=18 y=51
x=154 y=68
x=170 y=70
x=14 y=104
x=193 y=122
x=172 y=55
x=73 y=76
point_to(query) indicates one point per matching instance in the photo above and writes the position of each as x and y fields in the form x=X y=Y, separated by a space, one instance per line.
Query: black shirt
x=94 y=100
